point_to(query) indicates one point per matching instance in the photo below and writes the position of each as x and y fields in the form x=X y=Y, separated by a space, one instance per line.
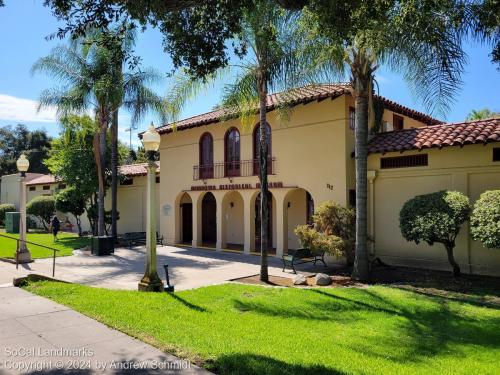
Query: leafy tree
x=4 y=208
x=15 y=141
x=480 y=114
x=72 y=160
x=142 y=157
x=73 y=201
x=485 y=219
x=435 y=218
x=43 y=207
x=356 y=37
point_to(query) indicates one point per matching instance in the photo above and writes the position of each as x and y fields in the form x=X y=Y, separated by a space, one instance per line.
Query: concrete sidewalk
x=38 y=334
x=189 y=268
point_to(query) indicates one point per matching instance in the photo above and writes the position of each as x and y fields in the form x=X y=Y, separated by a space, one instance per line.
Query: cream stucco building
x=209 y=188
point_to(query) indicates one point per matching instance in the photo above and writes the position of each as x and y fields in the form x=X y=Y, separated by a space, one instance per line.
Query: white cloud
x=24 y=110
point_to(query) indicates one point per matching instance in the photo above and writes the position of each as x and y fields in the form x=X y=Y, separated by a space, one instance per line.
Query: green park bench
x=139 y=238
x=301 y=256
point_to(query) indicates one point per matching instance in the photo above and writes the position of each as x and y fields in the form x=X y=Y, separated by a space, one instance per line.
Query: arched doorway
x=233 y=217
x=186 y=219
x=299 y=210
x=208 y=220
x=258 y=222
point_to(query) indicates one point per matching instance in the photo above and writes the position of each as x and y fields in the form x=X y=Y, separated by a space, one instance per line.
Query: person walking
x=55 y=226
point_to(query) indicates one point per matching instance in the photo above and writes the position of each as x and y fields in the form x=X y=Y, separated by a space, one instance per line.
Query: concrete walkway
x=38 y=334
x=189 y=268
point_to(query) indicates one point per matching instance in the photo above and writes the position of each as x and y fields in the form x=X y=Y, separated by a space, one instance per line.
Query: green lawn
x=238 y=329
x=66 y=244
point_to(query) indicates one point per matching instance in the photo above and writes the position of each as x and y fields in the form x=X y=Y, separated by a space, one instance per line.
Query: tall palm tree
x=83 y=72
x=93 y=78
x=134 y=95
x=358 y=37
x=268 y=33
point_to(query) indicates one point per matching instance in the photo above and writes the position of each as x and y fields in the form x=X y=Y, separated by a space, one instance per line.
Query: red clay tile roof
x=302 y=95
x=131 y=170
x=43 y=180
x=456 y=134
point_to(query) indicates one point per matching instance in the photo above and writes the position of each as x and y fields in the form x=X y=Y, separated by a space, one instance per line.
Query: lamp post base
x=24 y=257
x=150 y=285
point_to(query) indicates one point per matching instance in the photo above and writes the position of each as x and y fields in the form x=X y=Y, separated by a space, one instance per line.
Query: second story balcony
x=240 y=168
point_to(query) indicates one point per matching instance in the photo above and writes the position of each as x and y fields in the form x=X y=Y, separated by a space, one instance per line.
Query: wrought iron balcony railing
x=241 y=168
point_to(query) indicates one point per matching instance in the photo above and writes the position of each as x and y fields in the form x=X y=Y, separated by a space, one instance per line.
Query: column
x=196 y=199
x=249 y=221
x=371 y=211
x=221 y=220
x=281 y=222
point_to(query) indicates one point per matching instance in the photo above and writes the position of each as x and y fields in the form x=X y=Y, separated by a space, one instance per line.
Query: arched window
x=256 y=149
x=206 y=156
x=232 y=152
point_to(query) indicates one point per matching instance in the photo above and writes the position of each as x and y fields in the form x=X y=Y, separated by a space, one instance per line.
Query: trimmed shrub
x=485 y=219
x=333 y=231
x=435 y=218
x=6 y=207
x=43 y=207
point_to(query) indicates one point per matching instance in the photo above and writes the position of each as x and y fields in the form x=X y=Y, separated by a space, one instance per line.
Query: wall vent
x=407 y=161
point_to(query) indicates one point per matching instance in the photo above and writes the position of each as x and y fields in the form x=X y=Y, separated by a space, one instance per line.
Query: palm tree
x=83 y=72
x=134 y=94
x=267 y=31
x=92 y=78
x=480 y=114
x=358 y=37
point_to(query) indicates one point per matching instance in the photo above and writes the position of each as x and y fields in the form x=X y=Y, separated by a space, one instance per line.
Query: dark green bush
x=485 y=219
x=43 y=207
x=435 y=217
x=6 y=207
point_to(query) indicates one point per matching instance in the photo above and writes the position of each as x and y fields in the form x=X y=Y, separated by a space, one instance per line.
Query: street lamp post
x=151 y=281
x=23 y=254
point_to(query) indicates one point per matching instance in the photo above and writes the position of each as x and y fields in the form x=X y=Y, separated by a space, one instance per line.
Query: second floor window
x=206 y=156
x=256 y=149
x=232 y=153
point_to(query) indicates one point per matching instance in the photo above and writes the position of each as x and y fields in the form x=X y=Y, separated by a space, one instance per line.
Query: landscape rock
x=323 y=279
x=299 y=280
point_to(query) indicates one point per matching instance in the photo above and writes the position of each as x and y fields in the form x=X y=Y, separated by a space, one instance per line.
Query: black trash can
x=103 y=245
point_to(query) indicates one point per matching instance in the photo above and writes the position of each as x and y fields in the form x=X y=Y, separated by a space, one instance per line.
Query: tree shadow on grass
x=186 y=303
x=243 y=364
x=402 y=331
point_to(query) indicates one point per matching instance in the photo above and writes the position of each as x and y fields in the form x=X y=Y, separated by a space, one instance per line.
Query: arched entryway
x=209 y=220
x=233 y=216
x=186 y=219
x=300 y=209
x=270 y=228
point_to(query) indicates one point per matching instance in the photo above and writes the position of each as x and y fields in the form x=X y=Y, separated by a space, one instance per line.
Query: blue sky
x=24 y=24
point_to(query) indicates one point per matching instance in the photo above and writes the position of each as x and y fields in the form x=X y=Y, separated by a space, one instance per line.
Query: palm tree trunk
x=102 y=184
x=362 y=74
x=264 y=191
x=114 y=174
x=99 y=149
